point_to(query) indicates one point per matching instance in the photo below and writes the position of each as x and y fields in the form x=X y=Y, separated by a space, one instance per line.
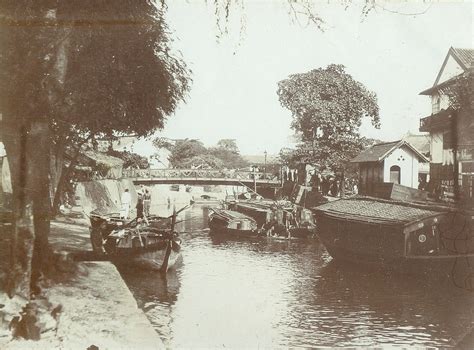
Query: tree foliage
x=328 y=106
x=184 y=150
x=192 y=153
x=461 y=92
x=91 y=66
x=71 y=71
x=228 y=151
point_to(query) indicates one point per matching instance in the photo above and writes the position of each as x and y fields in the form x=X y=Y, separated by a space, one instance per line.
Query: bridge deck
x=203 y=181
x=201 y=176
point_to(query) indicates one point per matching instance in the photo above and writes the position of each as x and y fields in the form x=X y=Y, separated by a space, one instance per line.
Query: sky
x=233 y=93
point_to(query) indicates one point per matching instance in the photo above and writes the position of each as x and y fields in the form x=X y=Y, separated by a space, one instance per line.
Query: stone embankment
x=97 y=308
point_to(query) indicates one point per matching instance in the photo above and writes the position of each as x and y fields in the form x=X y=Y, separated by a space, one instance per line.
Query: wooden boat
x=287 y=219
x=232 y=222
x=398 y=235
x=151 y=243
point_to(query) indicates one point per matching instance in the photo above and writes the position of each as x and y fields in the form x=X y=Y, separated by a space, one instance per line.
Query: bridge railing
x=243 y=175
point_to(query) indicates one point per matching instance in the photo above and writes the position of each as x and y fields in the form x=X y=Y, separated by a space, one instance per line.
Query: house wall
x=436 y=147
x=408 y=163
x=450 y=70
x=370 y=173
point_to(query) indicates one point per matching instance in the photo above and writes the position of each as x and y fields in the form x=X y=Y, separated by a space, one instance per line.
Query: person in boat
x=325 y=186
x=146 y=202
x=126 y=200
x=139 y=207
x=334 y=189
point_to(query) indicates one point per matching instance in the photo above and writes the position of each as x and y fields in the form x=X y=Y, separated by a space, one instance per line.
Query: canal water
x=240 y=293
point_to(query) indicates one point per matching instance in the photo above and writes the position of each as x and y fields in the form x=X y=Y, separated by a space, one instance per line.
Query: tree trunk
x=65 y=176
x=16 y=142
x=27 y=148
x=41 y=199
x=57 y=163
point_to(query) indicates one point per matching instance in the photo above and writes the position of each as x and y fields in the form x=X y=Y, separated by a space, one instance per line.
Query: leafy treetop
x=89 y=66
x=328 y=106
x=188 y=153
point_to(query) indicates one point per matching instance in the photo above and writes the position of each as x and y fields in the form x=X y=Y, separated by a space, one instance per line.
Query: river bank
x=105 y=195
x=97 y=308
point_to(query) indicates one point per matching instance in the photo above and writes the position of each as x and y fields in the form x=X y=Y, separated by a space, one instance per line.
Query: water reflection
x=237 y=293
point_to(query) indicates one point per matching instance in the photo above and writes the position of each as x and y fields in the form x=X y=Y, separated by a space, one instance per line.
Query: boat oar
x=164 y=265
x=177 y=212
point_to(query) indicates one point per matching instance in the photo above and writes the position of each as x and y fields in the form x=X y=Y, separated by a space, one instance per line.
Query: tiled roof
x=376 y=152
x=380 y=151
x=366 y=209
x=102 y=158
x=466 y=56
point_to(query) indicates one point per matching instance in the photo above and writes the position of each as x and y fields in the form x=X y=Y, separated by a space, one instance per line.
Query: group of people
x=332 y=186
x=143 y=203
x=289 y=174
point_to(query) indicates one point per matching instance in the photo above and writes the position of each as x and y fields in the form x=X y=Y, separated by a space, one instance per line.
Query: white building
x=396 y=162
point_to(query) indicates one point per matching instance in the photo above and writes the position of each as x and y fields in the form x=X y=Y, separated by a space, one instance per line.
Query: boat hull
x=148 y=260
x=152 y=257
x=396 y=237
x=218 y=229
x=151 y=246
x=447 y=265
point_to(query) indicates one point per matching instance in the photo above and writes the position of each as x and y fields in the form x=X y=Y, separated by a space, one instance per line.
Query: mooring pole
x=254 y=180
x=265 y=166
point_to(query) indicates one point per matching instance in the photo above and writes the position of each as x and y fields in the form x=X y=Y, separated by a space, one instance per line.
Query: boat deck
x=230 y=214
x=373 y=210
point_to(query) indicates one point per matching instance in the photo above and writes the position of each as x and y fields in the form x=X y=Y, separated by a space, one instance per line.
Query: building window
x=395 y=174
x=436 y=104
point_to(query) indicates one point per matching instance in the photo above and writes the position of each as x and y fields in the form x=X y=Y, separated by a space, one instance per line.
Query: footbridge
x=201 y=177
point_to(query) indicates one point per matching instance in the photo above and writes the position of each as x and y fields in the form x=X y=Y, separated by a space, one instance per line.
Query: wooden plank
x=388 y=190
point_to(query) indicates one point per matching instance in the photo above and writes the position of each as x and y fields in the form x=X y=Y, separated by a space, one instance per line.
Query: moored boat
x=279 y=219
x=150 y=243
x=232 y=222
x=398 y=235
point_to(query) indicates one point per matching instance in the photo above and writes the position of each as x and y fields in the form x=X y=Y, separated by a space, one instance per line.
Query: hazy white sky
x=233 y=94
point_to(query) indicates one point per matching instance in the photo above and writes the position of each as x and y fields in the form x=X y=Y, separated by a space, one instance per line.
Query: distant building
x=422 y=144
x=157 y=157
x=451 y=132
x=396 y=162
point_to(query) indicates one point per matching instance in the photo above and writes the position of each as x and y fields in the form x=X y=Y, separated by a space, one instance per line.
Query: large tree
x=327 y=106
x=228 y=151
x=184 y=150
x=70 y=71
x=189 y=152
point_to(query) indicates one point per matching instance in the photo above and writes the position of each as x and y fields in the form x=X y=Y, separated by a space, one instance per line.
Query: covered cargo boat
x=287 y=219
x=411 y=237
x=232 y=222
